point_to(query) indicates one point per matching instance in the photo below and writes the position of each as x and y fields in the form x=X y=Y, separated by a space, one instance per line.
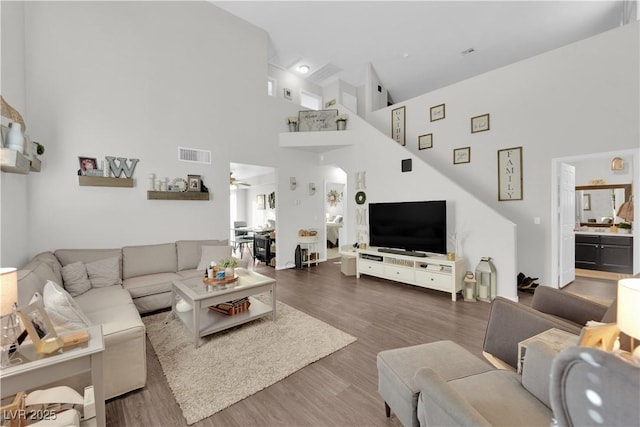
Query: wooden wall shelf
x=14 y=162
x=103 y=181
x=177 y=195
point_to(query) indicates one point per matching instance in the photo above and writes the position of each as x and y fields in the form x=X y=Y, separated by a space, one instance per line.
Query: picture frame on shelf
x=461 y=155
x=180 y=184
x=480 y=123
x=425 y=141
x=437 y=113
x=261 y=202
x=398 y=123
x=194 y=183
x=40 y=329
x=87 y=163
x=317 y=121
x=510 y=174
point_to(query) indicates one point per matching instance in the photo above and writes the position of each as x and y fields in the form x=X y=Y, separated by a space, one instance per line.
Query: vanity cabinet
x=604 y=253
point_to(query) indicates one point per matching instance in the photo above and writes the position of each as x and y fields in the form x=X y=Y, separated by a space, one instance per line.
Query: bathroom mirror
x=597 y=205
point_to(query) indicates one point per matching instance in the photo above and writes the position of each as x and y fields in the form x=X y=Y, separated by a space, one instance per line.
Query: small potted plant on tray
x=229 y=264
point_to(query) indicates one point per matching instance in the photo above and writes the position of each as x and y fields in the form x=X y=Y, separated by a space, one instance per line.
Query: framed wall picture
x=313 y=121
x=194 y=183
x=510 y=174
x=586 y=202
x=40 y=329
x=461 y=155
x=436 y=113
x=286 y=93
x=398 y=125
x=261 y=201
x=480 y=123
x=86 y=164
x=425 y=141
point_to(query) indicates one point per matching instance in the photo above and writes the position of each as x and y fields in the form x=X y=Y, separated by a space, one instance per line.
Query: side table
x=556 y=339
x=39 y=370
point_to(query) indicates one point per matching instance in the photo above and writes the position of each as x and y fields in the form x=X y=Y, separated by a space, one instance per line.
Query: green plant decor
x=228 y=262
x=625 y=225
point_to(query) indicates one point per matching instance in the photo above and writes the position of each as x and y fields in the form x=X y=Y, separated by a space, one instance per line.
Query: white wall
x=579 y=99
x=600 y=168
x=138 y=79
x=14 y=188
x=480 y=230
x=374 y=100
x=285 y=79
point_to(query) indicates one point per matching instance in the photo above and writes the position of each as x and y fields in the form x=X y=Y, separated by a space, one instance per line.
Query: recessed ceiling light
x=304 y=69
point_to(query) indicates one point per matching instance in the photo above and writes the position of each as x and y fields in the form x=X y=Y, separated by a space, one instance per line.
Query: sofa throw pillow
x=212 y=253
x=75 y=279
x=104 y=272
x=62 y=309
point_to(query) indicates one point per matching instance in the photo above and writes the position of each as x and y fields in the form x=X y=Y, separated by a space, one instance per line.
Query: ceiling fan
x=233 y=181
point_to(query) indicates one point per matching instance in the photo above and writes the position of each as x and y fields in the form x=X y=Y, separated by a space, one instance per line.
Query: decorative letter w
x=122 y=166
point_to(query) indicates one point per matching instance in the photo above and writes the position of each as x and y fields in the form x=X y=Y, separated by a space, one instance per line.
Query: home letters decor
x=122 y=166
x=510 y=174
x=397 y=125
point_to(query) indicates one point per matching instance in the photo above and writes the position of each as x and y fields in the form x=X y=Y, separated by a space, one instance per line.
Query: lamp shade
x=8 y=290
x=629 y=307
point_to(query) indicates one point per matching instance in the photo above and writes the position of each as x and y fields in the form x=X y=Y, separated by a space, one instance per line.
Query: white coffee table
x=201 y=321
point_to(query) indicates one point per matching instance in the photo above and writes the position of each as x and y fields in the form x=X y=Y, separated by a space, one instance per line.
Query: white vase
x=15 y=139
x=229 y=272
x=293 y=127
x=342 y=124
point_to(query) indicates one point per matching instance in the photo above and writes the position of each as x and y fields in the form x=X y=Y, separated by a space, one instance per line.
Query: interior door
x=567 y=217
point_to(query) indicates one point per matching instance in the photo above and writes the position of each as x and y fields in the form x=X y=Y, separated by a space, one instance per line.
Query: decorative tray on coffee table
x=224 y=281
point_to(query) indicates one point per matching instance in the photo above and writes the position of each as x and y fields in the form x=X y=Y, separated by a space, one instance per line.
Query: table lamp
x=629 y=312
x=8 y=309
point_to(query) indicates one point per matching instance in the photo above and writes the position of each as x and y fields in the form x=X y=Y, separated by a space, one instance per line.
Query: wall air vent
x=194 y=155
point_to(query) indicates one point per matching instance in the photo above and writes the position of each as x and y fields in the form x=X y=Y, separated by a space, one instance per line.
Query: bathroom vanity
x=604 y=251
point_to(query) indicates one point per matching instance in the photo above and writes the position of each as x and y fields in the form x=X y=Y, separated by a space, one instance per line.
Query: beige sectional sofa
x=146 y=273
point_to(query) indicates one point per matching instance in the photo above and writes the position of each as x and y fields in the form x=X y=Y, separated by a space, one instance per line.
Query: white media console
x=433 y=271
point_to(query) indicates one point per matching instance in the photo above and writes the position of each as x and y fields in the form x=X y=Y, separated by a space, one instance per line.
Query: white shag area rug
x=232 y=365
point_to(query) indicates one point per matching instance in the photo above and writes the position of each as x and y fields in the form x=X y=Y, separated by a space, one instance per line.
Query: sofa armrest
x=567 y=306
x=511 y=322
x=440 y=405
x=536 y=370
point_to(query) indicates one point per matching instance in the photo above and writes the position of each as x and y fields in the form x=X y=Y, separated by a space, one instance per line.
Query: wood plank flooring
x=341 y=389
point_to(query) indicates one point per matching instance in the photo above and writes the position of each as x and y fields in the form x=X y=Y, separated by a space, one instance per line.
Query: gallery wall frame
x=480 y=123
x=398 y=123
x=510 y=174
x=425 y=141
x=437 y=112
x=461 y=155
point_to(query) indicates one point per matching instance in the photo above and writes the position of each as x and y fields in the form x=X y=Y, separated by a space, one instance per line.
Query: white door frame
x=555 y=223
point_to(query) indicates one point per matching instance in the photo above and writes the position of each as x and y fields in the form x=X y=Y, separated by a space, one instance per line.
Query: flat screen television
x=410 y=226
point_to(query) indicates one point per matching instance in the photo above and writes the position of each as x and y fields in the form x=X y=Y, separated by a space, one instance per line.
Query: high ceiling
x=416 y=46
